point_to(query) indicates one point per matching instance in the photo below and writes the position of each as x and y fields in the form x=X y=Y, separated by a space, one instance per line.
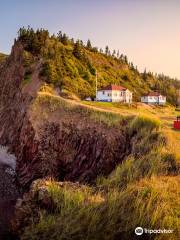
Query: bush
x=143 y=122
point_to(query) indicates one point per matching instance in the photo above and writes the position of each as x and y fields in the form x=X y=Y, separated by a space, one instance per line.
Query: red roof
x=154 y=94
x=113 y=87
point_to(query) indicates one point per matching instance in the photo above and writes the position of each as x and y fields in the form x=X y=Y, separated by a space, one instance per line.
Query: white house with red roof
x=154 y=98
x=114 y=93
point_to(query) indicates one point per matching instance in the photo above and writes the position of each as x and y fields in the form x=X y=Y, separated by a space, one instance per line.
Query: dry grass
x=164 y=114
x=142 y=191
x=53 y=103
x=82 y=213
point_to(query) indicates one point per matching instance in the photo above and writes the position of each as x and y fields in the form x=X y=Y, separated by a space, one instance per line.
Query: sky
x=147 y=31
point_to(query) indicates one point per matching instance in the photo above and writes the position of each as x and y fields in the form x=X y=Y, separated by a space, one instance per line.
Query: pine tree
x=81 y=43
x=106 y=50
x=64 y=39
x=117 y=55
x=59 y=36
x=101 y=50
x=88 y=45
x=72 y=41
x=144 y=75
x=114 y=53
x=77 y=51
x=132 y=66
x=125 y=59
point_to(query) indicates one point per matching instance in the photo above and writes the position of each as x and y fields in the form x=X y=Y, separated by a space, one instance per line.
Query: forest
x=71 y=65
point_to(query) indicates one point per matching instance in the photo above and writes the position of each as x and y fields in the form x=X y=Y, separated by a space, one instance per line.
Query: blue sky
x=148 y=31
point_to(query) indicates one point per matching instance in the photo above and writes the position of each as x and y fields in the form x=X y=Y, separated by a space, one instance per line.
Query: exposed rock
x=8 y=195
x=72 y=148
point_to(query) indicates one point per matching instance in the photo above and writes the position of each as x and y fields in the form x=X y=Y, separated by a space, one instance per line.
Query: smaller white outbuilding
x=154 y=98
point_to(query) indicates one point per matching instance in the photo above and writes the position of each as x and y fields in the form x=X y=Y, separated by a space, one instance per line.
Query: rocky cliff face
x=67 y=151
x=66 y=146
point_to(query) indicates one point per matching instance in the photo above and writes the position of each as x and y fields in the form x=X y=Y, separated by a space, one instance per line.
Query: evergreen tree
x=106 y=50
x=117 y=55
x=132 y=66
x=72 y=41
x=95 y=49
x=114 y=53
x=81 y=43
x=77 y=51
x=125 y=59
x=122 y=57
x=101 y=50
x=64 y=39
x=88 y=45
x=59 y=36
x=144 y=75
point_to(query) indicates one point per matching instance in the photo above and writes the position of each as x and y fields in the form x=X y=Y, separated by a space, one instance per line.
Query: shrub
x=143 y=122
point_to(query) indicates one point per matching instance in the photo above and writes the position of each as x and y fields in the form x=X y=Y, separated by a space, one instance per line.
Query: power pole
x=96 y=85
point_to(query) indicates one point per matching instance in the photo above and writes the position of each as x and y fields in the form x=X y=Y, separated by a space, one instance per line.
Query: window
x=103 y=92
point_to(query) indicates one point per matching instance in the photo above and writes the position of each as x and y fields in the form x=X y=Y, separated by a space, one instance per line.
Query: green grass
x=142 y=191
x=165 y=115
x=82 y=213
x=53 y=103
x=142 y=122
x=148 y=156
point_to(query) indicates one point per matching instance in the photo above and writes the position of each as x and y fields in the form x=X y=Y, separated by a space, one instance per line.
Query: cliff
x=122 y=159
x=64 y=144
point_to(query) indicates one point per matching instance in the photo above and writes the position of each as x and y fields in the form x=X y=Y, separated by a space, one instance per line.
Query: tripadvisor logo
x=139 y=231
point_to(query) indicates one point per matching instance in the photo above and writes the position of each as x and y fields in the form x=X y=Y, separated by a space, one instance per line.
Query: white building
x=154 y=98
x=114 y=93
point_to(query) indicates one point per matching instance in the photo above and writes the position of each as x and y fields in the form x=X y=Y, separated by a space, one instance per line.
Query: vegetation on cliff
x=2 y=57
x=121 y=155
x=141 y=191
x=71 y=66
x=73 y=211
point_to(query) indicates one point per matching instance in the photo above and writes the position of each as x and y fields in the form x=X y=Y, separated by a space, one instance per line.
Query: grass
x=150 y=203
x=55 y=103
x=142 y=191
x=164 y=114
x=148 y=156
x=80 y=212
x=143 y=122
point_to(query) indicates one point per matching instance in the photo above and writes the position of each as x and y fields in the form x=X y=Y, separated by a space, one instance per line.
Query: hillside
x=85 y=170
x=2 y=57
x=71 y=66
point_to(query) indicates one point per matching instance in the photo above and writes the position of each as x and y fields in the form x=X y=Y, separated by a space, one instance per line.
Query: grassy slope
x=133 y=194
x=82 y=213
x=74 y=71
x=79 y=76
x=166 y=114
x=140 y=192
